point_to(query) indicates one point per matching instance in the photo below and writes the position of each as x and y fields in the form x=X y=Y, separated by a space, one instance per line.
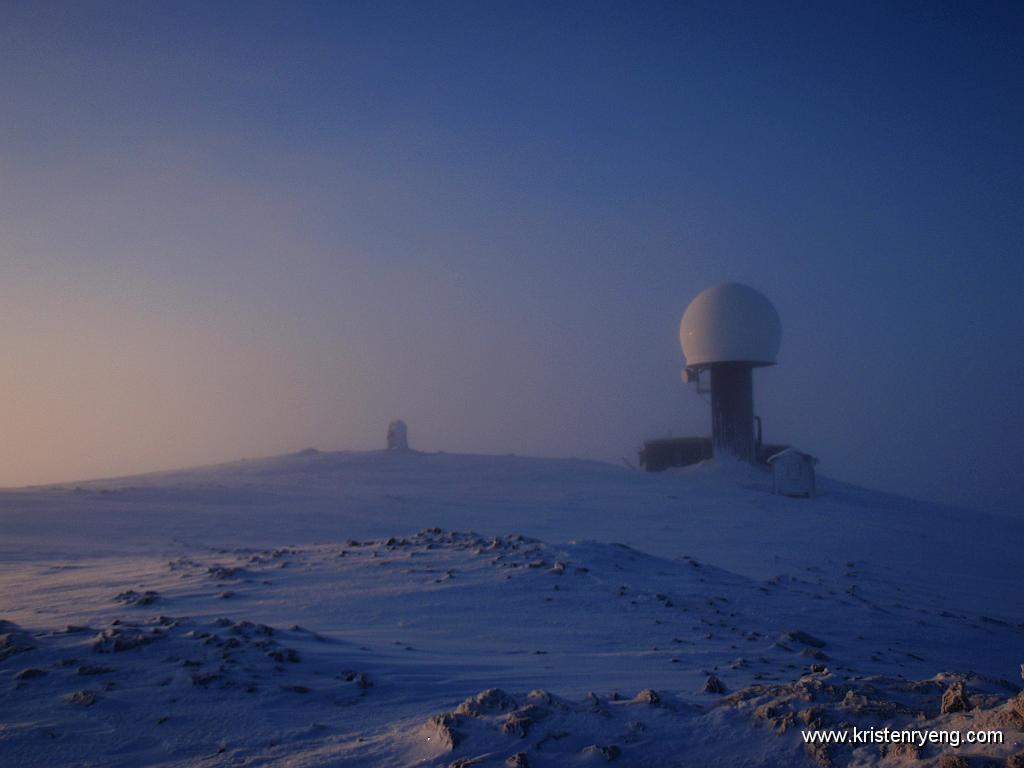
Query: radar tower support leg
x=732 y=411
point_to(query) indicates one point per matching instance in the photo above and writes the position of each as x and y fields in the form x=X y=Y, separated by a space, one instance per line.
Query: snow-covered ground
x=362 y=608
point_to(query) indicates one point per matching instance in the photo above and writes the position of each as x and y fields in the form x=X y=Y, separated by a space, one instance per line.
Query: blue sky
x=242 y=228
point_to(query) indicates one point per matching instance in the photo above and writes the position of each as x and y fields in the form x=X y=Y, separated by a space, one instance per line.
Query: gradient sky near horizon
x=239 y=229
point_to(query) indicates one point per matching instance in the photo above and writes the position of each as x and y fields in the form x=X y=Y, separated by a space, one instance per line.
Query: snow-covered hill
x=336 y=608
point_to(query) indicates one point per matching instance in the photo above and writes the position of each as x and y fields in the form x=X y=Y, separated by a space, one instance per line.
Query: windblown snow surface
x=404 y=608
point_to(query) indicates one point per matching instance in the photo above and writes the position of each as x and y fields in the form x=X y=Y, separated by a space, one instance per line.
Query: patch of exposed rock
x=81 y=698
x=116 y=639
x=499 y=728
x=714 y=685
x=824 y=700
x=13 y=640
x=955 y=699
x=131 y=597
x=804 y=638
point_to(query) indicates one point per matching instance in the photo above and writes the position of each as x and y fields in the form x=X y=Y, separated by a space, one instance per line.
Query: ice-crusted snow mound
x=135 y=685
x=350 y=652
x=335 y=609
x=711 y=512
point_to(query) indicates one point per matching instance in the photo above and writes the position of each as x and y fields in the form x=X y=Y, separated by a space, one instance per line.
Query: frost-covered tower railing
x=728 y=331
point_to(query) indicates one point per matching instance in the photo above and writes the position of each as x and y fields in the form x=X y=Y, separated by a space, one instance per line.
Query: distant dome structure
x=730 y=323
x=398 y=436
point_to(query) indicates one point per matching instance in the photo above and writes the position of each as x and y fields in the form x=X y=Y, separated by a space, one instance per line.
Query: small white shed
x=793 y=473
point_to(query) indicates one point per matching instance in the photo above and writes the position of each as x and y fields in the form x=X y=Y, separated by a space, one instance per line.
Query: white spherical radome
x=730 y=323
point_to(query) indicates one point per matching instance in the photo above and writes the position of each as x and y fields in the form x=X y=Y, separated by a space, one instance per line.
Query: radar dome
x=730 y=323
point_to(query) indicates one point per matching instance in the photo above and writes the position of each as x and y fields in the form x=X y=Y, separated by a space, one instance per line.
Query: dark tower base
x=732 y=411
